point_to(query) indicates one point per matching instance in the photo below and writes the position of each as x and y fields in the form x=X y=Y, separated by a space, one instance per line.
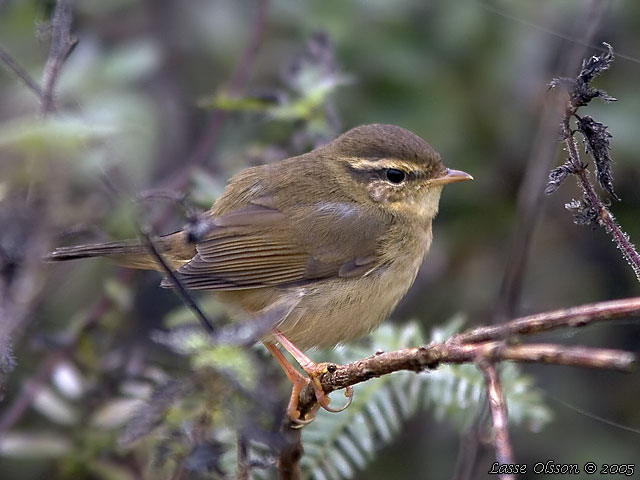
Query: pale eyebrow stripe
x=382 y=164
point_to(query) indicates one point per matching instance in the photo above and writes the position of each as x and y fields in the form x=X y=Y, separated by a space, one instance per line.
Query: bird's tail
x=131 y=253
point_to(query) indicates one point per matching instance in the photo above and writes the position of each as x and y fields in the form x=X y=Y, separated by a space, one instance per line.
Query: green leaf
x=57 y=135
x=116 y=412
x=54 y=407
x=120 y=294
x=226 y=357
x=33 y=445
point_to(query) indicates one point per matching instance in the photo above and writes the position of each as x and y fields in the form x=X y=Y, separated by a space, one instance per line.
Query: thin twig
x=605 y=218
x=62 y=43
x=243 y=458
x=579 y=316
x=22 y=293
x=584 y=357
x=498 y=407
x=13 y=65
x=185 y=296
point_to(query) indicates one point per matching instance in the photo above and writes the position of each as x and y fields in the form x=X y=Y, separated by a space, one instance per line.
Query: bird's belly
x=331 y=311
x=339 y=310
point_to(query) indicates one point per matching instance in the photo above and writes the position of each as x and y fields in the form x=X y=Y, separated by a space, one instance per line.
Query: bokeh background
x=170 y=96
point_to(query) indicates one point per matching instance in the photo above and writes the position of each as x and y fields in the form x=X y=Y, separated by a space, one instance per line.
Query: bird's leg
x=298 y=381
x=314 y=371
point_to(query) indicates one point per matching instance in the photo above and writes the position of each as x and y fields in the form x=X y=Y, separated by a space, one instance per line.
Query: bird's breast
x=337 y=311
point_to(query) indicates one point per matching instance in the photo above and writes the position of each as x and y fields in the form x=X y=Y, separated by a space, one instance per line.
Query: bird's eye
x=395 y=176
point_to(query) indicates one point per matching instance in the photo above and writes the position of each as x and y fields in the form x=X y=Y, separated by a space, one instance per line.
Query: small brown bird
x=333 y=238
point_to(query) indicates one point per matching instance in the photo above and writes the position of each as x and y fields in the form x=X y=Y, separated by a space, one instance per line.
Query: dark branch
x=13 y=65
x=289 y=458
x=596 y=137
x=183 y=293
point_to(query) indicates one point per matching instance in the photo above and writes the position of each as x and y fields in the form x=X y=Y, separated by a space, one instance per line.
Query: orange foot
x=314 y=372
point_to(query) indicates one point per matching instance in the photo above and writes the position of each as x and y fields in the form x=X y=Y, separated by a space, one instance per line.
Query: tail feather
x=127 y=247
x=131 y=253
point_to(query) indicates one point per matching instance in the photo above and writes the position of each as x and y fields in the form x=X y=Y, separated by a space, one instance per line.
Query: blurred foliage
x=136 y=98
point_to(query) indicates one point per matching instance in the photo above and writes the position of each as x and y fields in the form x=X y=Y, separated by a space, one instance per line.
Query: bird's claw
x=314 y=372
x=323 y=399
x=347 y=393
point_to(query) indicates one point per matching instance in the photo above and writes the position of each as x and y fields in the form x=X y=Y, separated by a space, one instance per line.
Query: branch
x=485 y=346
x=602 y=214
x=243 y=467
x=591 y=209
x=62 y=43
x=579 y=316
x=291 y=453
x=20 y=294
x=430 y=357
x=13 y=65
x=184 y=295
x=498 y=407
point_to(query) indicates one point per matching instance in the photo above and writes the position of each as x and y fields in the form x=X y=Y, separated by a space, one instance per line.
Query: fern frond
x=338 y=445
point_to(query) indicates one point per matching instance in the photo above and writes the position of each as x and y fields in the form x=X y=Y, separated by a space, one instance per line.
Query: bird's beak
x=451 y=176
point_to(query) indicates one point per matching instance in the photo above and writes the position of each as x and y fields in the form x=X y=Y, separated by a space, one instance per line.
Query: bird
x=331 y=240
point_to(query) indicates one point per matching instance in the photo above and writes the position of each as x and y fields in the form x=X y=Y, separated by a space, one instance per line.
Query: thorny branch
x=590 y=210
x=529 y=208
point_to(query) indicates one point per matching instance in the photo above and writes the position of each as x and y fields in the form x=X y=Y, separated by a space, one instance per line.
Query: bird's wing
x=259 y=246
